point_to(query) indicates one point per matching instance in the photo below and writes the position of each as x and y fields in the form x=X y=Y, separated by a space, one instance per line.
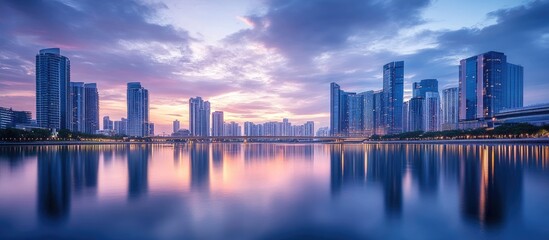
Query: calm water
x=275 y=191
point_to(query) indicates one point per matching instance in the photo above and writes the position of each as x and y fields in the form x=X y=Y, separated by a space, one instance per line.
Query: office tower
x=309 y=129
x=405 y=118
x=120 y=127
x=415 y=114
x=337 y=110
x=424 y=86
x=91 y=105
x=431 y=110
x=52 y=89
x=138 y=110
x=78 y=108
x=449 y=119
x=176 y=125
x=393 y=91
x=486 y=83
x=107 y=123
x=368 y=112
x=379 y=127
x=217 y=123
x=354 y=115
x=199 y=117
x=513 y=87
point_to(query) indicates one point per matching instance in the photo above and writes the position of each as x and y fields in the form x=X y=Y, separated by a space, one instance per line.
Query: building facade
x=449 y=119
x=91 y=105
x=138 y=110
x=393 y=96
x=107 y=123
x=487 y=85
x=78 y=107
x=199 y=117
x=53 y=89
x=431 y=110
x=217 y=123
x=176 y=126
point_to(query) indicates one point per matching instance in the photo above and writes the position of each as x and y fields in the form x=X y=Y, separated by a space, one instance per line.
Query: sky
x=262 y=60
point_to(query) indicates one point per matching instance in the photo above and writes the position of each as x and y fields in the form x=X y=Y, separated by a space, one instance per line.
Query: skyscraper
x=120 y=127
x=354 y=115
x=107 y=123
x=405 y=116
x=91 y=103
x=424 y=86
x=379 y=127
x=199 y=117
x=176 y=125
x=217 y=123
x=393 y=96
x=78 y=108
x=449 y=119
x=513 y=86
x=486 y=83
x=431 y=110
x=368 y=112
x=138 y=110
x=52 y=89
x=309 y=127
x=337 y=110
x=415 y=114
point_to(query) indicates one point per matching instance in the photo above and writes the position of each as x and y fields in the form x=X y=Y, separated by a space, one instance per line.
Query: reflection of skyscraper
x=138 y=168
x=491 y=184
x=53 y=74
x=85 y=165
x=200 y=166
x=217 y=154
x=346 y=166
x=385 y=166
x=54 y=184
x=425 y=166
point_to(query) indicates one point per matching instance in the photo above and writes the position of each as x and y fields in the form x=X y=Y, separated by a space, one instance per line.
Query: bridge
x=254 y=139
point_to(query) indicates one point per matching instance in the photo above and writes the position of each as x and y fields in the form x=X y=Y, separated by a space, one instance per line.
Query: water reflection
x=313 y=189
x=138 y=168
x=54 y=184
x=200 y=166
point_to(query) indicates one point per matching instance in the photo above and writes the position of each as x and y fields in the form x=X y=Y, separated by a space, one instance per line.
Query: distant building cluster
x=488 y=84
x=219 y=127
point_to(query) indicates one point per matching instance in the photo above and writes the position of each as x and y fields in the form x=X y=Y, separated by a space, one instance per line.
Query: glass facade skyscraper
x=431 y=110
x=354 y=116
x=52 y=89
x=488 y=84
x=337 y=110
x=199 y=117
x=368 y=112
x=217 y=124
x=91 y=103
x=393 y=91
x=449 y=119
x=78 y=108
x=138 y=110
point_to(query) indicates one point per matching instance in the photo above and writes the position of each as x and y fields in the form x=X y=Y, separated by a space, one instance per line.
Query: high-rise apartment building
x=78 y=108
x=138 y=110
x=368 y=112
x=120 y=127
x=52 y=89
x=449 y=119
x=199 y=117
x=176 y=126
x=107 y=123
x=217 y=123
x=91 y=105
x=393 y=96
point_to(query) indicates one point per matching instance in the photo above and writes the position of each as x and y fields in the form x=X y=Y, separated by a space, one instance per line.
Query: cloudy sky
x=262 y=60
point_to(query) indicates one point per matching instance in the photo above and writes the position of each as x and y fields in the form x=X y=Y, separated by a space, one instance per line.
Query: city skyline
x=254 y=71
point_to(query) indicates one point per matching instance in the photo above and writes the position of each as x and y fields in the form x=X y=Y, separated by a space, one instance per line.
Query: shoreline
x=456 y=141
